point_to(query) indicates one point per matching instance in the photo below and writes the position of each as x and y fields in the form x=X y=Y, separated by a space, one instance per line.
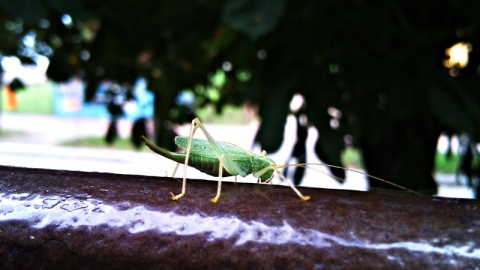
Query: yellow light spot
x=458 y=55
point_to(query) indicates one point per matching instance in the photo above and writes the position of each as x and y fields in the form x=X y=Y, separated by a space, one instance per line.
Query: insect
x=225 y=159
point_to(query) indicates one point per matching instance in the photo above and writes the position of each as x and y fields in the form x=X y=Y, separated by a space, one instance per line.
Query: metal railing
x=70 y=220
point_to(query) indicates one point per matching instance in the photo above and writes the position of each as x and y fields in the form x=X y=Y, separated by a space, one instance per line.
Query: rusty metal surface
x=79 y=220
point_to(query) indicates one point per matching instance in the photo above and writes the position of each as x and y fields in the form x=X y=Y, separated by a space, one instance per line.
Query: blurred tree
x=371 y=70
x=380 y=65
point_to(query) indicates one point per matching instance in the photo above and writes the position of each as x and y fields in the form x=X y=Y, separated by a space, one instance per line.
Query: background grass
x=351 y=158
x=445 y=163
x=449 y=163
x=9 y=133
x=99 y=142
x=33 y=99
x=231 y=115
x=39 y=99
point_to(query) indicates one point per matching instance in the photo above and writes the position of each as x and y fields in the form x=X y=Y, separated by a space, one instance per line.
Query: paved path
x=52 y=130
x=34 y=140
x=35 y=144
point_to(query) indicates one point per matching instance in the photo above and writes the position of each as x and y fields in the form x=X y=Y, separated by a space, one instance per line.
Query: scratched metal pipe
x=71 y=220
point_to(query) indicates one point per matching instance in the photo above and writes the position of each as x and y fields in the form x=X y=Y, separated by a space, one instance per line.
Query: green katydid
x=226 y=159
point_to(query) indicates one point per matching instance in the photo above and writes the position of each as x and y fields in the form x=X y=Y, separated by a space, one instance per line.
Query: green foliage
x=255 y=18
x=453 y=105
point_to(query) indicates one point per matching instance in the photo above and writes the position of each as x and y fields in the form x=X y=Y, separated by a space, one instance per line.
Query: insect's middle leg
x=220 y=171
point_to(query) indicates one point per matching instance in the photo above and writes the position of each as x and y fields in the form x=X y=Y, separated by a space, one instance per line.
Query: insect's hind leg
x=193 y=128
x=175 y=170
x=226 y=162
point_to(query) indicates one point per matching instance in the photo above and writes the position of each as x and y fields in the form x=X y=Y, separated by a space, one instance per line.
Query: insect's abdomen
x=206 y=165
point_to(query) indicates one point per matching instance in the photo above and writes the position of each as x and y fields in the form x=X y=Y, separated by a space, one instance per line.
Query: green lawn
x=39 y=99
x=99 y=142
x=449 y=164
x=9 y=133
x=33 y=99
x=351 y=158
x=230 y=115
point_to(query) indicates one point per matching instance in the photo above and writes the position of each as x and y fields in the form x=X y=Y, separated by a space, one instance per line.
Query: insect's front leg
x=273 y=167
x=305 y=198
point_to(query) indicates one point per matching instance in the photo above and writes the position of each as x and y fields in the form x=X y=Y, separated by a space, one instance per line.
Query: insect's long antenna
x=306 y=165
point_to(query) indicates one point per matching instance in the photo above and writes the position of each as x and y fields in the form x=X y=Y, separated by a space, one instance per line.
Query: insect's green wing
x=203 y=148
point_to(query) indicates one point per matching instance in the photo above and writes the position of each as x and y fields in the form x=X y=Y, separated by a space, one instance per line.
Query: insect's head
x=263 y=167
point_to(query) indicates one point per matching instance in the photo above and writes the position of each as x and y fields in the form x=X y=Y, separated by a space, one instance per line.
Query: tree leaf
x=448 y=108
x=329 y=145
x=270 y=133
x=255 y=18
